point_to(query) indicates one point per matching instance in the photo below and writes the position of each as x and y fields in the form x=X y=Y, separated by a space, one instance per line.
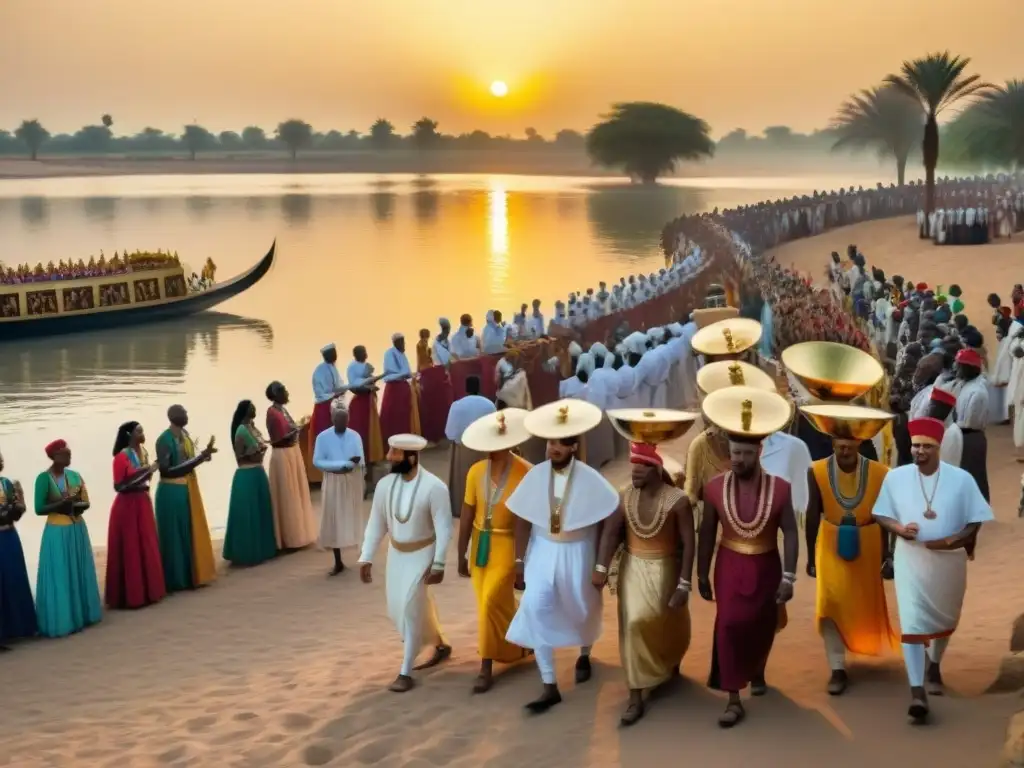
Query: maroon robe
x=747 y=616
x=435 y=402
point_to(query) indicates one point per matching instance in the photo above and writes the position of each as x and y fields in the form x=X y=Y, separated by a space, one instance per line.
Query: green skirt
x=174 y=528
x=250 y=538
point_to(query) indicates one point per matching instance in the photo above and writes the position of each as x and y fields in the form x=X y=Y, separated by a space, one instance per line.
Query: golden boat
x=122 y=297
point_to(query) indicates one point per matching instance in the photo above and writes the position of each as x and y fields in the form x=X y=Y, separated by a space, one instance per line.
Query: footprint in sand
x=296 y=721
x=375 y=752
x=198 y=724
x=244 y=716
x=317 y=754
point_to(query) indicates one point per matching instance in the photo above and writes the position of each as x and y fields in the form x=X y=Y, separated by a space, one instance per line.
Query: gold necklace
x=557 y=504
x=632 y=506
x=497 y=489
x=929 y=513
x=763 y=507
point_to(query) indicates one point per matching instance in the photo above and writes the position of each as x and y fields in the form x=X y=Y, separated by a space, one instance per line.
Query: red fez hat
x=969 y=356
x=942 y=396
x=1005 y=311
x=642 y=453
x=55 y=447
x=922 y=286
x=926 y=430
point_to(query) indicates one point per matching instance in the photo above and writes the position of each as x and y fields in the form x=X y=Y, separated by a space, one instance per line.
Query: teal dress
x=67 y=591
x=250 y=538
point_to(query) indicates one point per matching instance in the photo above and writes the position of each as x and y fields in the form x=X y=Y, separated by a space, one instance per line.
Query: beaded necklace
x=849 y=504
x=397 y=492
x=632 y=507
x=763 y=507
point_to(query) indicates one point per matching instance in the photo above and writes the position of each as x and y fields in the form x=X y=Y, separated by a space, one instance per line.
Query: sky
x=342 y=64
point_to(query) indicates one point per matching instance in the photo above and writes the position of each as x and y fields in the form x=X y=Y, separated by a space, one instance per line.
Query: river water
x=359 y=257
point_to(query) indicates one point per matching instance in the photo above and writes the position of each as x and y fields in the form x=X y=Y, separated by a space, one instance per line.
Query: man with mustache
x=412 y=508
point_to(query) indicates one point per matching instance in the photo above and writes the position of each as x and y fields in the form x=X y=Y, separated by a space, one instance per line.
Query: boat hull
x=135 y=314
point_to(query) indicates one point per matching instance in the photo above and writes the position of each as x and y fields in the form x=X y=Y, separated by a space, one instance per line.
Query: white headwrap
x=326 y=348
x=585 y=363
x=444 y=321
x=575 y=350
x=597 y=348
x=397 y=336
x=636 y=342
x=658 y=334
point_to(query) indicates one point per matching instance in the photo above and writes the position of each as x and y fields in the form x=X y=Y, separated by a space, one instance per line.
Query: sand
x=280 y=666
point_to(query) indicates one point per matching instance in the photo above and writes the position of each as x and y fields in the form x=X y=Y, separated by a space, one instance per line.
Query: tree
x=230 y=141
x=936 y=81
x=382 y=134
x=780 y=135
x=735 y=139
x=254 y=138
x=107 y=121
x=647 y=139
x=991 y=131
x=196 y=139
x=295 y=134
x=92 y=138
x=532 y=137
x=152 y=140
x=424 y=133
x=884 y=119
x=33 y=134
x=570 y=139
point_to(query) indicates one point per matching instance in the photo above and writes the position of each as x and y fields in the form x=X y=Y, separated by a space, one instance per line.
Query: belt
x=55 y=518
x=859 y=525
x=748 y=547
x=250 y=466
x=411 y=546
x=174 y=480
x=499 y=531
x=565 y=537
x=651 y=555
x=968 y=431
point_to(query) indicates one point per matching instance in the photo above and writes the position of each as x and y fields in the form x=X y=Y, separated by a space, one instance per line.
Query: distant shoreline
x=523 y=162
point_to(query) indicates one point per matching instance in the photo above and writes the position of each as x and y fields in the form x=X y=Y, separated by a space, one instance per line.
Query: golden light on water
x=497 y=225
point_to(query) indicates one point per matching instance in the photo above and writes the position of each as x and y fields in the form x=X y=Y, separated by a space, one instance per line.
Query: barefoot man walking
x=411 y=507
x=935 y=510
x=559 y=506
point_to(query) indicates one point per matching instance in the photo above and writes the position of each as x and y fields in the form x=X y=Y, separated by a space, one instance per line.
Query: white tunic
x=341 y=496
x=410 y=512
x=560 y=607
x=930 y=584
x=787 y=457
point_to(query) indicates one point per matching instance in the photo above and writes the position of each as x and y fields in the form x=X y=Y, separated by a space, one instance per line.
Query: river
x=359 y=257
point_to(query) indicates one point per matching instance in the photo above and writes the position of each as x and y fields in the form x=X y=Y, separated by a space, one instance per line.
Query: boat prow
x=71 y=306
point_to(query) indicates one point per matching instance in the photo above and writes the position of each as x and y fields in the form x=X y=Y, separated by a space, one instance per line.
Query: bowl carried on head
x=726 y=339
x=651 y=425
x=833 y=375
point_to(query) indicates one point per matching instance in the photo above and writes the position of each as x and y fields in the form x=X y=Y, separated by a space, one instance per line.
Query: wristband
x=600 y=568
x=789 y=578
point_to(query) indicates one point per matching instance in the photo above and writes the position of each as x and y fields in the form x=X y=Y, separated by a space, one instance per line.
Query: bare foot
x=402 y=684
x=441 y=653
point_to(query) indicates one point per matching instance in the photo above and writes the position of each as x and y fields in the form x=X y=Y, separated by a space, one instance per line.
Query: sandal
x=483 y=683
x=733 y=715
x=633 y=713
x=837 y=683
x=758 y=687
x=918 y=711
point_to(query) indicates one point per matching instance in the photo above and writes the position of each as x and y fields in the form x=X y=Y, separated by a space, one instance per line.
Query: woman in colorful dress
x=17 y=609
x=67 y=592
x=294 y=521
x=135 y=573
x=250 y=537
x=185 y=546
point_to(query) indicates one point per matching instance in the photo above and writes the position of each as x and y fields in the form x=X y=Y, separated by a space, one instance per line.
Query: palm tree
x=995 y=126
x=884 y=119
x=33 y=134
x=936 y=82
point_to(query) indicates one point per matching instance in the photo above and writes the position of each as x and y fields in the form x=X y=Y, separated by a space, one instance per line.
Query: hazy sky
x=343 y=63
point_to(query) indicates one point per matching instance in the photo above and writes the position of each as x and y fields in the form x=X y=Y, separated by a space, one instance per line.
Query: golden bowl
x=846 y=422
x=727 y=337
x=832 y=372
x=651 y=425
x=732 y=373
x=747 y=411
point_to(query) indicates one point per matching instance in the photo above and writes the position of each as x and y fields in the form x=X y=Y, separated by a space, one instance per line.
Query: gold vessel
x=847 y=422
x=727 y=337
x=651 y=425
x=832 y=372
x=732 y=373
x=747 y=411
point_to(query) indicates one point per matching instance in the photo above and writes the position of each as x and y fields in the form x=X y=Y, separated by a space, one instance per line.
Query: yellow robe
x=702 y=464
x=493 y=583
x=851 y=594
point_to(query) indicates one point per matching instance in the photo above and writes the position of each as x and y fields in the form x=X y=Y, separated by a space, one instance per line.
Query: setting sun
x=499 y=89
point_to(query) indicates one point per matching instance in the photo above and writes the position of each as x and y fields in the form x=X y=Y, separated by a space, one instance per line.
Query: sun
x=499 y=89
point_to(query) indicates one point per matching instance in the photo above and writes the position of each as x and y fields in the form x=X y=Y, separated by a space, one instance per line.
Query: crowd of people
x=137 y=261
x=546 y=520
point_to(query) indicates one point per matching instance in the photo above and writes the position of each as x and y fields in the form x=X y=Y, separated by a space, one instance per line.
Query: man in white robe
x=441 y=349
x=788 y=457
x=935 y=510
x=941 y=406
x=338 y=453
x=411 y=507
x=559 y=506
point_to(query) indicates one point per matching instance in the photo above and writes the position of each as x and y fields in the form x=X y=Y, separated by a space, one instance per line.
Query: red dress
x=135 y=576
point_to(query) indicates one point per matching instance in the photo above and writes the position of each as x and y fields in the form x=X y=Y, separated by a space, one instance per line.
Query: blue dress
x=17 y=610
x=67 y=592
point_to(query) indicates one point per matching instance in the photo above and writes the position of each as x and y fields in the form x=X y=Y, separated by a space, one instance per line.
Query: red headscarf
x=55 y=447
x=642 y=453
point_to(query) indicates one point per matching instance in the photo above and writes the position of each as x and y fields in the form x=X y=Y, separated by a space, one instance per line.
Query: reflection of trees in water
x=296 y=208
x=149 y=359
x=568 y=205
x=100 y=208
x=382 y=205
x=255 y=204
x=152 y=204
x=425 y=204
x=630 y=218
x=199 y=205
x=35 y=211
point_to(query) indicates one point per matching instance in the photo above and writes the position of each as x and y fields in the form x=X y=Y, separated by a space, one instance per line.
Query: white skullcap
x=413 y=443
x=656 y=333
x=337 y=404
x=575 y=350
x=636 y=342
x=443 y=321
x=585 y=363
x=326 y=348
x=397 y=336
x=597 y=348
